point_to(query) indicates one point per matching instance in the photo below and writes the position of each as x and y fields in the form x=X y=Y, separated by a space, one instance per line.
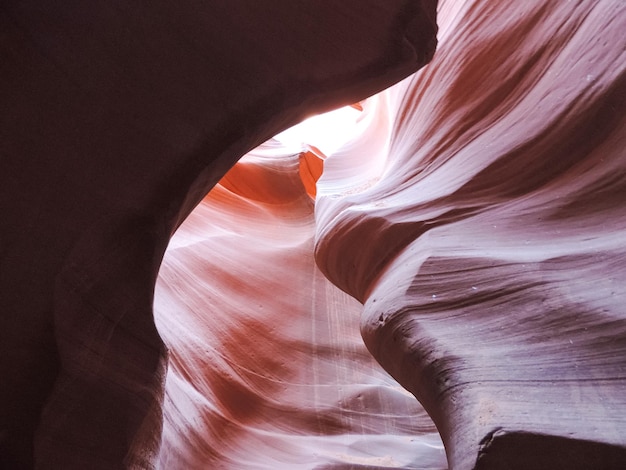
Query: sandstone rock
x=267 y=367
x=116 y=120
x=478 y=215
x=489 y=243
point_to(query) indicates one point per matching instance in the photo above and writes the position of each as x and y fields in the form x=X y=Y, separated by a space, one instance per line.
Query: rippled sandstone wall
x=486 y=234
x=267 y=368
x=479 y=217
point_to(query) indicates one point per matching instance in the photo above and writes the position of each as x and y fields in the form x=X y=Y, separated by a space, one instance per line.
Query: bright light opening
x=328 y=131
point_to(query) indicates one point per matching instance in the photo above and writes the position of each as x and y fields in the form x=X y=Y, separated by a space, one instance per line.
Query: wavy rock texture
x=267 y=367
x=479 y=216
x=485 y=231
x=117 y=118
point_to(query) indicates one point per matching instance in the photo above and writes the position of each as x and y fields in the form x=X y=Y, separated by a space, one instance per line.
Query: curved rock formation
x=116 y=120
x=478 y=215
x=267 y=367
x=485 y=233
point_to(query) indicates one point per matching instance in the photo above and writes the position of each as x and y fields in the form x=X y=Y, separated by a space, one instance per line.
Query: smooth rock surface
x=116 y=119
x=479 y=214
x=267 y=367
x=485 y=232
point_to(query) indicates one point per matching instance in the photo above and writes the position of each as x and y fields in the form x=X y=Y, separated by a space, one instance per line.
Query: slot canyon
x=435 y=279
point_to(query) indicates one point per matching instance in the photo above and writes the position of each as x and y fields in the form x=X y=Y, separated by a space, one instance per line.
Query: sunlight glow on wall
x=328 y=131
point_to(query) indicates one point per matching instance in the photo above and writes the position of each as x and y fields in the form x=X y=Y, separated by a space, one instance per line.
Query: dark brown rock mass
x=116 y=119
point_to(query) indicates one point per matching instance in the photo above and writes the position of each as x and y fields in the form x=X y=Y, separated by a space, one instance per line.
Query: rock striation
x=267 y=368
x=476 y=224
x=485 y=233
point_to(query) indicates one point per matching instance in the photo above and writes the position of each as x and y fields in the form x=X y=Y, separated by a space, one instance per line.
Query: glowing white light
x=328 y=131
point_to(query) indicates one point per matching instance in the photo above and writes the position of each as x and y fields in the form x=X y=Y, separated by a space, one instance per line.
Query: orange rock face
x=267 y=367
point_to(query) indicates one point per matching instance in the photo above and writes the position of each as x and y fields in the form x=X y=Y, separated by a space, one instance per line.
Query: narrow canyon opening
x=267 y=367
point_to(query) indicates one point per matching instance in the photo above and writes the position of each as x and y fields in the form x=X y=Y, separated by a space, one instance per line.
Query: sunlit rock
x=489 y=245
x=267 y=367
x=476 y=210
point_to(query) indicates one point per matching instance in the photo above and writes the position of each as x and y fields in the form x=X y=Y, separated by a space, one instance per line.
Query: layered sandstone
x=117 y=119
x=486 y=234
x=267 y=368
x=475 y=223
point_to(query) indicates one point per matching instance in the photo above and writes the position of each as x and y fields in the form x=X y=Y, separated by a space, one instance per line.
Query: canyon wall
x=477 y=212
x=475 y=224
x=116 y=120
x=486 y=234
x=267 y=367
